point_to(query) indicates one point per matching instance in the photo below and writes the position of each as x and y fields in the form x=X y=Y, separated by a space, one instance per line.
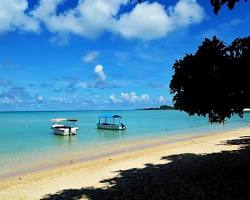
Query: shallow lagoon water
x=26 y=137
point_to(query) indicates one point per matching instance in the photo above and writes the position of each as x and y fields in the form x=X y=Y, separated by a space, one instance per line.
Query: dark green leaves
x=215 y=81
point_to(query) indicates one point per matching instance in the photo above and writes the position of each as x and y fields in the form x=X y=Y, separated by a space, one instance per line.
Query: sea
x=26 y=138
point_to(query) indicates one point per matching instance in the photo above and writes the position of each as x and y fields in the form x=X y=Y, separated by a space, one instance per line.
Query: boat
x=63 y=126
x=246 y=110
x=108 y=122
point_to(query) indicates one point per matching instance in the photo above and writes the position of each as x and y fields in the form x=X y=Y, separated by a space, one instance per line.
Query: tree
x=217 y=4
x=214 y=81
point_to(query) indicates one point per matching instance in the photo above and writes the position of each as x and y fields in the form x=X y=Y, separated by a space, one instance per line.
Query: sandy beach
x=90 y=173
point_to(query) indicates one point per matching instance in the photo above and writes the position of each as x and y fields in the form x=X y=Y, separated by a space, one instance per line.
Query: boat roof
x=58 y=120
x=109 y=116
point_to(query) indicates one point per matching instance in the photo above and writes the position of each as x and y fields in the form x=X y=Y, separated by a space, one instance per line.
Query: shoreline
x=97 y=153
x=89 y=173
x=104 y=150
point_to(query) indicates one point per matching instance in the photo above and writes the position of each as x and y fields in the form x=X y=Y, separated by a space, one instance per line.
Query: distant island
x=163 y=107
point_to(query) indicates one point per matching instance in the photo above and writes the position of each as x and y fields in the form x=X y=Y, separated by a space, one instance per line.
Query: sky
x=102 y=54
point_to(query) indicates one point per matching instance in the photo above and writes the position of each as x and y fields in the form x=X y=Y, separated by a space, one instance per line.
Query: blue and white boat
x=110 y=122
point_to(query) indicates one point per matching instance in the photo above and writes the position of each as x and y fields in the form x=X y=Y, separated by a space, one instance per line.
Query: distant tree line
x=215 y=81
x=163 y=107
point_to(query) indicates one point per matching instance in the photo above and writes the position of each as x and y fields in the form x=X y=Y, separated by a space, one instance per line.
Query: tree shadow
x=224 y=175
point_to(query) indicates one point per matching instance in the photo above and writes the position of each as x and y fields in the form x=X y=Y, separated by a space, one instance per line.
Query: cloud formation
x=13 y=17
x=59 y=100
x=39 y=99
x=90 y=18
x=162 y=99
x=14 y=95
x=131 y=98
x=113 y=99
x=99 y=72
x=90 y=56
x=151 y=20
x=6 y=82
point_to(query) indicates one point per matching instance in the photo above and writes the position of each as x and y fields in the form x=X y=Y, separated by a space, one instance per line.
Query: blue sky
x=102 y=54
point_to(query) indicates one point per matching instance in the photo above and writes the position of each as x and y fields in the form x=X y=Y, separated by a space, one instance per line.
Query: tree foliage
x=215 y=81
x=217 y=4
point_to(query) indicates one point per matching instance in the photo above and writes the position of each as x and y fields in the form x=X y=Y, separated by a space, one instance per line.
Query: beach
x=76 y=173
x=124 y=100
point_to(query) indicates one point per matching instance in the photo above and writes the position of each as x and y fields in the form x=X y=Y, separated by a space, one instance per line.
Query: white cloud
x=145 y=97
x=90 y=56
x=13 y=16
x=151 y=20
x=39 y=99
x=186 y=12
x=88 y=19
x=82 y=85
x=99 y=15
x=113 y=99
x=162 y=100
x=99 y=72
x=63 y=23
x=92 y=17
x=46 y=9
x=131 y=98
x=145 y=21
x=60 y=40
x=7 y=100
x=58 y=100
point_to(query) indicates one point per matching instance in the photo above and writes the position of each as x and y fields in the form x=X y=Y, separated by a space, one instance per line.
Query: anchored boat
x=62 y=126
x=110 y=122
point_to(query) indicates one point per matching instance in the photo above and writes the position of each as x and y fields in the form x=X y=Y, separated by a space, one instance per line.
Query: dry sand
x=89 y=173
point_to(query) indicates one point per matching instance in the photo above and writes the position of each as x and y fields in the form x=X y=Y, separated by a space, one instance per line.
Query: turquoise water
x=27 y=135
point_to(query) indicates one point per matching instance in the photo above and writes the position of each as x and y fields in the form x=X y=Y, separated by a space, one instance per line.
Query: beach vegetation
x=214 y=81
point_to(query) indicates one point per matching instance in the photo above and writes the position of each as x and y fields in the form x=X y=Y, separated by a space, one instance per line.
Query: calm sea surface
x=27 y=137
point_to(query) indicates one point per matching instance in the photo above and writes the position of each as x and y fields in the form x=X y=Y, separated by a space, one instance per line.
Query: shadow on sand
x=224 y=175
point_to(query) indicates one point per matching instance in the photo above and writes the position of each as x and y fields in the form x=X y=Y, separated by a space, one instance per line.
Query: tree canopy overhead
x=217 y=4
x=215 y=81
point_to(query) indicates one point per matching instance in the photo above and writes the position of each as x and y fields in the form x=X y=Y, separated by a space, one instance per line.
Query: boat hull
x=65 y=131
x=110 y=127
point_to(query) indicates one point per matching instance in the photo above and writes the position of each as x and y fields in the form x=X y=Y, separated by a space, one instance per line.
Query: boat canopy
x=58 y=120
x=109 y=116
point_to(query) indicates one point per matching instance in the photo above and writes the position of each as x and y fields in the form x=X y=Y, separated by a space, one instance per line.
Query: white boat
x=108 y=122
x=62 y=126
